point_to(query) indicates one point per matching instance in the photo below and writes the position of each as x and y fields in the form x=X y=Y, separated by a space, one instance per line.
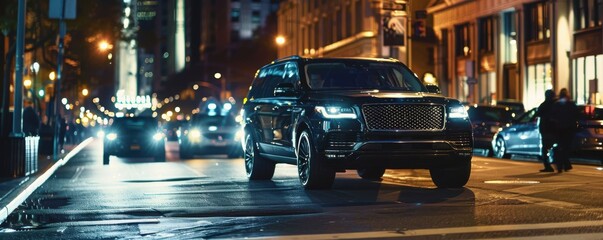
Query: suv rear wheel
x=453 y=177
x=257 y=167
x=312 y=170
x=371 y=173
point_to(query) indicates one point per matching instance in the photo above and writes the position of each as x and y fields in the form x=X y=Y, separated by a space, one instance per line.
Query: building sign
x=394 y=31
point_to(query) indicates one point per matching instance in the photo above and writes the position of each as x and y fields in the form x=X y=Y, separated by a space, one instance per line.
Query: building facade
x=490 y=50
x=358 y=28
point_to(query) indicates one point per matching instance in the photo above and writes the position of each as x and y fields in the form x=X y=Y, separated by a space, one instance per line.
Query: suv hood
x=380 y=96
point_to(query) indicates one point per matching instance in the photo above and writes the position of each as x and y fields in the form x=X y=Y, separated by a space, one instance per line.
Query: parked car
x=486 y=121
x=523 y=136
x=326 y=115
x=211 y=134
x=134 y=137
x=515 y=106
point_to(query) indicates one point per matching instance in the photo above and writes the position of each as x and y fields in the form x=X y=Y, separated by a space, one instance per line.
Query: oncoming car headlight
x=336 y=112
x=111 y=136
x=194 y=135
x=457 y=112
x=158 y=136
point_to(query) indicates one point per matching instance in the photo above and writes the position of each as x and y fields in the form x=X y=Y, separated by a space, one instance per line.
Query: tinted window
x=489 y=114
x=135 y=123
x=224 y=121
x=362 y=75
x=265 y=82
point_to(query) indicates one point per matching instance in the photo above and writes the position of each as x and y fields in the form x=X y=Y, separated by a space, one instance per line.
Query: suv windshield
x=135 y=123
x=224 y=121
x=362 y=75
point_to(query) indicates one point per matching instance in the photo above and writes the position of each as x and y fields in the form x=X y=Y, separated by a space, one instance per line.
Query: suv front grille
x=404 y=117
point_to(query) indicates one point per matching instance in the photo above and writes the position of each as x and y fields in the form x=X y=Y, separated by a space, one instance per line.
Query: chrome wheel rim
x=249 y=155
x=500 y=148
x=303 y=158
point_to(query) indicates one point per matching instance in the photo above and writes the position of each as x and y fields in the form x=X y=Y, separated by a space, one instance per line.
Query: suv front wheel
x=452 y=177
x=312 y=170
x=256 y=166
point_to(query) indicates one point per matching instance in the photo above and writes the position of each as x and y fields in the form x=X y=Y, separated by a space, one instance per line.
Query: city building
x=517 y=49
x=359 y=28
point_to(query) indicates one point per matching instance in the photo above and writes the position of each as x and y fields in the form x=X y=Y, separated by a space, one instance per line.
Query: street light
x=280 y=40
x=52 y=76
x=85 y=92
x=104 y=46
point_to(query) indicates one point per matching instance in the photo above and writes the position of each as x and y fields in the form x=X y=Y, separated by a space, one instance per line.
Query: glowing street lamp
x=104 y=46
x=280 y=40
x=85 y=92
x=52 y=75
x=27 y=83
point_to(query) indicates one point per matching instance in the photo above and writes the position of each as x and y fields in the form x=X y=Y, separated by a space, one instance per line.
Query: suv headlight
x=336 y=112
x=457 y=112
x=111 y=136
x=158 y=136
x=194 y=135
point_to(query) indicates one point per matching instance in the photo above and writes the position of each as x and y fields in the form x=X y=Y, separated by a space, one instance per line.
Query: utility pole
x=18 y=107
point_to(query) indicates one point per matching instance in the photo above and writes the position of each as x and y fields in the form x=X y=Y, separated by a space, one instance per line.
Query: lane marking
x=443 y=231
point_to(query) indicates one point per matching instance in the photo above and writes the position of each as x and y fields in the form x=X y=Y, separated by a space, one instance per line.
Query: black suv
x=326 y=115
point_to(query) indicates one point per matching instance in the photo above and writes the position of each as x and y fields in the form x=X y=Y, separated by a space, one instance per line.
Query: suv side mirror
x=433 y=89
x=284 y=90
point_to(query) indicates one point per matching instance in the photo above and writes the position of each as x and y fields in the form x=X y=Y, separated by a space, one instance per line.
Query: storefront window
x=587 y=83
x=539 y=80
x=509 y=40
x=464 y=95
x=487 y=87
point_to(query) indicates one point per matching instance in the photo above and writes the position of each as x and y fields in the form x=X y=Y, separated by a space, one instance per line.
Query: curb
x=25 y=193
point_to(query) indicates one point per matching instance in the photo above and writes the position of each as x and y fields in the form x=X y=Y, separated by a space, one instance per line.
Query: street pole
x=18 y=107
x=57 y=89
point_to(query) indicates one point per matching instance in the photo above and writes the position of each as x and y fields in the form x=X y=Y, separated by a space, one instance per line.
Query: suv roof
x=295 y=57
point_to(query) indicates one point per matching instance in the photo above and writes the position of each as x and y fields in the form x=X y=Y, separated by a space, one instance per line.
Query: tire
x=311 y=168
x=500 y=148
x=256 y=166
x=106 y=157
x=371 y=173
x=454 y=177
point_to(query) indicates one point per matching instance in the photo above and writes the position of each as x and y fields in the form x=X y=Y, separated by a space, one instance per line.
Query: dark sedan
x=486 y=121
x=134 y=137
x=523 y=137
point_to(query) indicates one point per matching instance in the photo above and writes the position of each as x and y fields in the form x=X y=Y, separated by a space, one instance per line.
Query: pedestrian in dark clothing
x=546 y=128
x=565 y=118
x=31 y=121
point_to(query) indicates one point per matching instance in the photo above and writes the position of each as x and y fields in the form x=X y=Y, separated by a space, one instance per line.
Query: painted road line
x=13 y=204
x=441 y=231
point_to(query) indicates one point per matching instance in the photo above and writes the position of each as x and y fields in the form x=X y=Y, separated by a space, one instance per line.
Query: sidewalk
x=13 y=191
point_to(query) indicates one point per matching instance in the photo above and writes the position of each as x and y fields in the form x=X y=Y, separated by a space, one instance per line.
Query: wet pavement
x=210 y=197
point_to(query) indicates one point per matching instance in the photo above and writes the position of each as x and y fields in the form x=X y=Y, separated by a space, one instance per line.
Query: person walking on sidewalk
x=546 y=128
x=565 y=119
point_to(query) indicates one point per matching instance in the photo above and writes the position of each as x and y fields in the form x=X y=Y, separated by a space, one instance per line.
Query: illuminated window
x=463 y=40
x=538 y=81
x=538 y=21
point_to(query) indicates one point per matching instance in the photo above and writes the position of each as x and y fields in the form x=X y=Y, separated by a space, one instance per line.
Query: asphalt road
x=210 y=197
